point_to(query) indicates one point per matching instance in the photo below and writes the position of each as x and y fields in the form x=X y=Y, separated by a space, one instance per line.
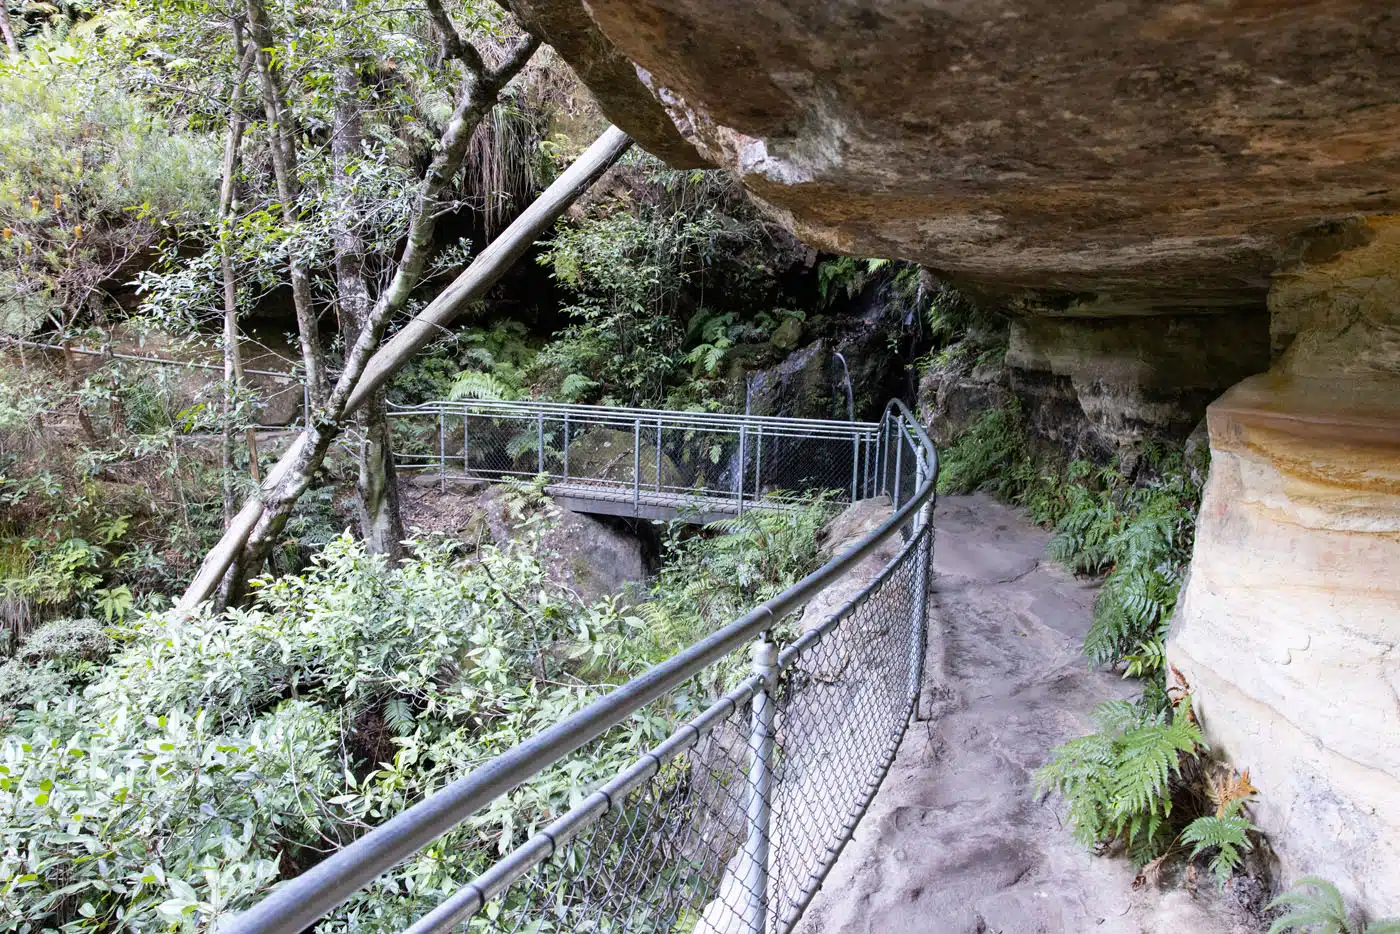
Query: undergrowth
x=203 y=758
x=1142 y=782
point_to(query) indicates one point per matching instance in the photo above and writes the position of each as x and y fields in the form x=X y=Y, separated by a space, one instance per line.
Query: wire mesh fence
x=730 y=826
x=731 y=823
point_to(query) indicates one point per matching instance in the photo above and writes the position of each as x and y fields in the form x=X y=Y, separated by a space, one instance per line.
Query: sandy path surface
x=956 y=840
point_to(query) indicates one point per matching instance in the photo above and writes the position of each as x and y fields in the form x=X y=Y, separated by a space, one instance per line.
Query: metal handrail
x=623 y=413
x=295 y=905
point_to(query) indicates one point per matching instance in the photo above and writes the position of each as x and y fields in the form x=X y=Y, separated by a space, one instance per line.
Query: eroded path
x=956 y=840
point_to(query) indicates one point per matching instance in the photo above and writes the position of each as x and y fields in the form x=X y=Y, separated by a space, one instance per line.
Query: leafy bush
x=212 y=755
x=89 y=172
x=663 y=281
x=710 y=580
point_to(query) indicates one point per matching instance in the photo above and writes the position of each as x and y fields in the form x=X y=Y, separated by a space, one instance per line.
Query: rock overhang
x=1134 y=155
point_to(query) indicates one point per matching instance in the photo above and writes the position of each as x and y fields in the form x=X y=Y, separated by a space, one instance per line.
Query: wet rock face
x=1166 y=154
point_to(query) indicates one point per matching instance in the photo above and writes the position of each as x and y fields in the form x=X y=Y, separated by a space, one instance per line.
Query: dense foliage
x=158 y=789
x=90 y=175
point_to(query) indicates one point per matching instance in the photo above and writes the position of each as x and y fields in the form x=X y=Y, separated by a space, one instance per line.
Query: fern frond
x=1323 y=911
x=398 y=714
x=473 y=384
x=1227 y=834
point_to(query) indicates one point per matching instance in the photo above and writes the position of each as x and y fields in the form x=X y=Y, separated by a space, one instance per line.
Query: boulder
x=593 y=559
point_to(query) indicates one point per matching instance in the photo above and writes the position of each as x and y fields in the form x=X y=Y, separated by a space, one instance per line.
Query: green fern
x=1118 y=781
x=473 y=384
x=399 y=715
x=1322 y=911
x=1227 y=833
x=575 y=387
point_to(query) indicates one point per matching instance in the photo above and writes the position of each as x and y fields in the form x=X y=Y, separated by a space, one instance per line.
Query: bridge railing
x=731 y=823
x=646 y=462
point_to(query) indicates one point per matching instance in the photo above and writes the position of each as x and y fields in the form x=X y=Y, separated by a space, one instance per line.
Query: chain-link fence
x=730 y=825
x=644 y=461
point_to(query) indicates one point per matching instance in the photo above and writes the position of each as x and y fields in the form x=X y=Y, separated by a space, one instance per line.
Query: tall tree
x=381 y=523
x=233 y=357
x=478 y=92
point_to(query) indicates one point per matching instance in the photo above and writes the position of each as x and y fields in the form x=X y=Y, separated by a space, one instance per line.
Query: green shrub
x=212 y=755
x=87 y=175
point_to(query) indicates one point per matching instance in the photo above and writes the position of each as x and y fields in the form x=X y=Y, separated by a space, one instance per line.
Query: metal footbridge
x=777 y=729
x=643 y=463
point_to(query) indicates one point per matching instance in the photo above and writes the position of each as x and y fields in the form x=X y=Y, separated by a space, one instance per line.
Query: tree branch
x=451 y=42
x=516 y=59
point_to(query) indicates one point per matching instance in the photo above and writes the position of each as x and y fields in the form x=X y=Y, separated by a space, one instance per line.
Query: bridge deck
x=699 y=507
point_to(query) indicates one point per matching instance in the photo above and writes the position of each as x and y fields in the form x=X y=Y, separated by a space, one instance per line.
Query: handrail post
x=636 y=464
x=658 y=455
x=743 y=462
x=566 y=446
x=540 y=441
x=855 y=468
x=442 y=450
x=881 y=450
x=898 y=435
x=870 y=442
x=760 y=803
x=919 y=632
x=758 y=466
x=466 y=443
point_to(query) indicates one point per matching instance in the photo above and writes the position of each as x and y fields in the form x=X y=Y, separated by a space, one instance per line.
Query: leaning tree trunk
x=256 y=528
x=284 y=169
x=233 y=357
x=381 y=523
x=292 y=474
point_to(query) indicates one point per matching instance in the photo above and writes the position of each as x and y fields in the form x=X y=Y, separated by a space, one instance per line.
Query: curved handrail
x=295 y=905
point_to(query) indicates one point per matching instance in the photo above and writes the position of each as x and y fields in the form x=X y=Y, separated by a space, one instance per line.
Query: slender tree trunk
x=284 y=168
x=7 y=29
x=233 y=357
x=381 y=524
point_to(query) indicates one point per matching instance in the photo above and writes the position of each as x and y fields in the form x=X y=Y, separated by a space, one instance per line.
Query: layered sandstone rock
x=1100 y=385
x=1289 y=629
